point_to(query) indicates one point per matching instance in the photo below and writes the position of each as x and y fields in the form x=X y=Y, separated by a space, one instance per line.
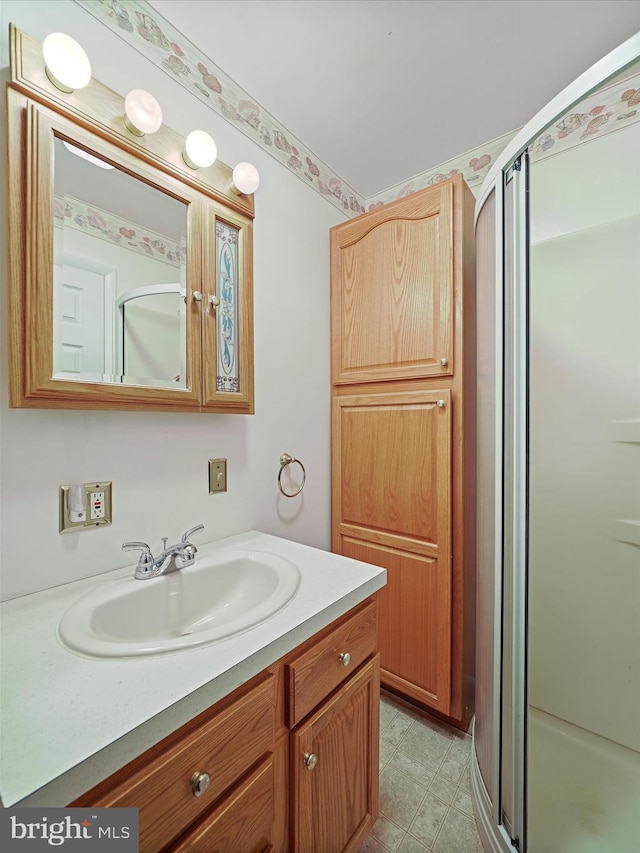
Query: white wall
x=157 y=461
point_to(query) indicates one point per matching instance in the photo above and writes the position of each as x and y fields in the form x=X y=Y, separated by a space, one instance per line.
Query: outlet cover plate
x=217 y=476
x=66 y=525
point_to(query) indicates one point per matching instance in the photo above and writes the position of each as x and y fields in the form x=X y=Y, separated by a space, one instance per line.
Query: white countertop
x=69 y=721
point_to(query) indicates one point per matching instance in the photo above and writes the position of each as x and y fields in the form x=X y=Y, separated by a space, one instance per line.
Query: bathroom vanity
x=297 y=746
x=267 y=740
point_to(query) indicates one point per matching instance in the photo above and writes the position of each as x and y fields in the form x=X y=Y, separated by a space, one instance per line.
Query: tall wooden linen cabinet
x=403 y=433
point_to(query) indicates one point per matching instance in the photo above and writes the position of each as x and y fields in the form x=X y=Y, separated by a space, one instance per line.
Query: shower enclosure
x=556 y=759
x=151 y=334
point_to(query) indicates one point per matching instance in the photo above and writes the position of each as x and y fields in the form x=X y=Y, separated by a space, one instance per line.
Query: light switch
x=217 y=475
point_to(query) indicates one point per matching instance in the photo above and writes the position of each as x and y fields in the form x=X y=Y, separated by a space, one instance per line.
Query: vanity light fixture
x=66 y=63
x=200 y=151
x=142 y=113
x=245 y=179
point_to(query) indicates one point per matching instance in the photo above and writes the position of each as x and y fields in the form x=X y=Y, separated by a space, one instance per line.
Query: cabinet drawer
x=224 y=747
x=242 y=822
x=316 y=672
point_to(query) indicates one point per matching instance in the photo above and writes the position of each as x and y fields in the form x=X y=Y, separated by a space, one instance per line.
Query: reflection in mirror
x=119 y=312
x=150 y=324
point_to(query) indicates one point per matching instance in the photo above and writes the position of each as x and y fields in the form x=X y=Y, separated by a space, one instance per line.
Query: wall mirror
x=119 y=275
x=130 y=273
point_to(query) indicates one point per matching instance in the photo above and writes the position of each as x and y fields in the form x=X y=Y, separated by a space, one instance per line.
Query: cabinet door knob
x=310 y=760
x=199 y=783
x=345 y=658
x=197 y=296
x=444 y=362
x=214 y=299
x=440 y=404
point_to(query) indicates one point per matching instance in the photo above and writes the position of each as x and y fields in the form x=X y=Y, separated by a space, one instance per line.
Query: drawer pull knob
x=440 y=404
x=444 y=362
x=345 y=658
x=310 y=760
x=199 y=783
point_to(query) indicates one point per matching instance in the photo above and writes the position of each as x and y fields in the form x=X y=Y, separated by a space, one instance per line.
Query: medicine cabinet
x=130 y=274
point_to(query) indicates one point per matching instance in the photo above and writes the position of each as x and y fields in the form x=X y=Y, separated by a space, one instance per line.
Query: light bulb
x=200 y=150
x=246 y=178
x=67 y=65
x=142 y=112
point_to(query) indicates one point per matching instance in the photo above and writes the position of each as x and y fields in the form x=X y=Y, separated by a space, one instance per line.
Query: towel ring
x=285 y=460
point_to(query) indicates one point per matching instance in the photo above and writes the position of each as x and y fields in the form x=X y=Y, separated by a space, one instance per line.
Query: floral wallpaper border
x=72 y=213
x=604 y=112
x=159 y=41
x=474 y=165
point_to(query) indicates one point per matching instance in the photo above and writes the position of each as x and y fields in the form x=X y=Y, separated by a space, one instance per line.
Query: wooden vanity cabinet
x=262 y=792
x=333 y=690
x=226 y=742
x=334 y=768
x=403 y=433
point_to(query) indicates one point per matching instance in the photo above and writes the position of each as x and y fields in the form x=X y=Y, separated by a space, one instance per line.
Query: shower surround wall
x=158 y=461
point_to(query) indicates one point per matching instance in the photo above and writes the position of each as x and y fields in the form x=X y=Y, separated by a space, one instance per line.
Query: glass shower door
x=556 y=760
x=583 y=738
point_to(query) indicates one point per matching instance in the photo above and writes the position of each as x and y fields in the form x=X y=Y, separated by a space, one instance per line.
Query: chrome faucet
x=172 y=559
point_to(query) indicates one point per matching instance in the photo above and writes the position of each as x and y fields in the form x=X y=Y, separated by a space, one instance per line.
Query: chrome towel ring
x=286 y=459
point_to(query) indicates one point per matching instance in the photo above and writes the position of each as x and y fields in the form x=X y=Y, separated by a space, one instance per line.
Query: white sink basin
x=220 y=595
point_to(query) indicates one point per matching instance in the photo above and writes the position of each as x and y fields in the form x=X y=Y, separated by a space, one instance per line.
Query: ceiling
x=381 y=90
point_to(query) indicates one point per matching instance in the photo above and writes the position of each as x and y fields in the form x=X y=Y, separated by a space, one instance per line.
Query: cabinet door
x=392 y=508
x=227 y=334
x=335 y=798
x=392 y=469
x=391 y=290
x=414 y=622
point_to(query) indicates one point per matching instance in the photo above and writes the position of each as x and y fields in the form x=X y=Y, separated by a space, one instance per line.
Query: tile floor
x=425 y=800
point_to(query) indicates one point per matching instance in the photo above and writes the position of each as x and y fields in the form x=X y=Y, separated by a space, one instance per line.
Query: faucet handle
x=134 y=546
x=146 y=557
x=187 y=535
x=145 y=567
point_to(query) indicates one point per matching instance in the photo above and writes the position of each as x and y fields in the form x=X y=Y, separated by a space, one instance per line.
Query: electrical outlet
x=217 y=475
x=98 y=507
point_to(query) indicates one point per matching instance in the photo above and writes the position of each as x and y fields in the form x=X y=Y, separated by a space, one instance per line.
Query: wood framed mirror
x=130 y=274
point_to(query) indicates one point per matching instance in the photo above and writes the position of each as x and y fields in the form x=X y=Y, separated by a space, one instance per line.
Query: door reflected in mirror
x=119 y=307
